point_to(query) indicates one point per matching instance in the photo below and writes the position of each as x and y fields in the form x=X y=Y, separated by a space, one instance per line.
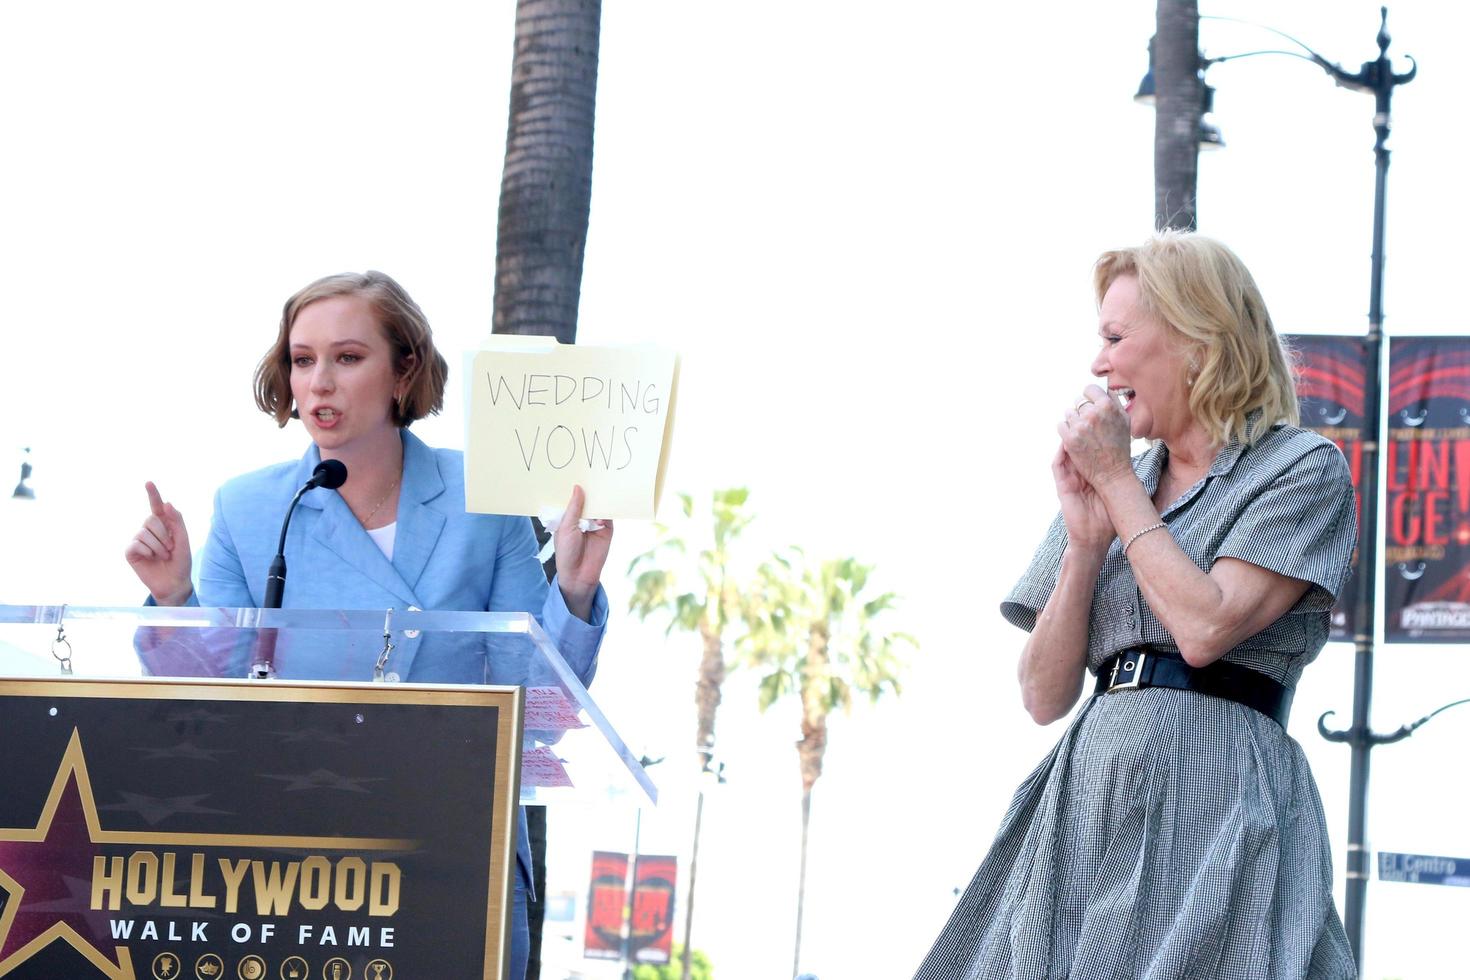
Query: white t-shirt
x=384 y=537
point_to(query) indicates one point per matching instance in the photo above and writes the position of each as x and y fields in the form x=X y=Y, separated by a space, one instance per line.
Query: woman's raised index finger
x=155 y=502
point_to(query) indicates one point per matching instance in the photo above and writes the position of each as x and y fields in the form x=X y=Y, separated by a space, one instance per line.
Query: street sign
x=1423 y=869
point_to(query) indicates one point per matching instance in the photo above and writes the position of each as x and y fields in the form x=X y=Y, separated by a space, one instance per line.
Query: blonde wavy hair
x=1208 y=300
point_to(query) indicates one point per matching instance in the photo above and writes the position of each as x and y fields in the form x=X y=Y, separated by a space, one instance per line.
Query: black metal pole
x=685 y=959
x=1377 y=77
x=632 y=893
x=1362 y=740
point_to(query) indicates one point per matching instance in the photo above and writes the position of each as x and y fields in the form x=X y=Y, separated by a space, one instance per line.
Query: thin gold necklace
x=391 y=487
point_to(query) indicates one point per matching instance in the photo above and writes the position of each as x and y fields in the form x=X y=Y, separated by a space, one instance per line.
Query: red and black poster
x=1331 y=386
x=254 y=830
x=1426 y=553
x=652 y=935
x=607 y=896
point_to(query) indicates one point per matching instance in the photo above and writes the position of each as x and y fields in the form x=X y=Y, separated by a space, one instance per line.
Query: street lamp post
x=1378 y=77
x=716 y=772
x=629 y=950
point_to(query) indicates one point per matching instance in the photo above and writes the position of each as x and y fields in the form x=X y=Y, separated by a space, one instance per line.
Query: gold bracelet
x=1138 y=534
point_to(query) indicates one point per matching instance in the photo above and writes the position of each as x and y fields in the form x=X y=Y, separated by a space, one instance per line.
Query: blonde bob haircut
x=421 y=367
x=1209 y=302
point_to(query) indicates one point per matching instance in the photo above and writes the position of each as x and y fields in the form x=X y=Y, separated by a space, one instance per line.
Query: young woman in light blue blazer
x=354 y=360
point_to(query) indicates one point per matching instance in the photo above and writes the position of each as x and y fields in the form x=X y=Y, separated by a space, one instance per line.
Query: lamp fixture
x=23 y=490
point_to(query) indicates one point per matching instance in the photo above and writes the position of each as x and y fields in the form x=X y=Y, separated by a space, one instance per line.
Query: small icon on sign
x=165 y=966
x=294 y=968
x=251 y=967
x=209 y=967
x=336 y=968
x=379 y=970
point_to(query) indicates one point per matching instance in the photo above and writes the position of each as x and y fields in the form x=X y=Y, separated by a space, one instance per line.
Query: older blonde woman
x=1175 y=831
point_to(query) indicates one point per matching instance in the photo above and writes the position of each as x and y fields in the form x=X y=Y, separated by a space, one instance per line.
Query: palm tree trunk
x=545 y=198
x=546 y=189
x=1177 y=108
x=815 y=684
x=707 y=690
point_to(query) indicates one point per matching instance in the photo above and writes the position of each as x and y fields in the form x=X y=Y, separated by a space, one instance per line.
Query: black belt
x=1153 y=668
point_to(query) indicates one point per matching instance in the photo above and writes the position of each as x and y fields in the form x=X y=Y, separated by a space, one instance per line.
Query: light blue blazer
x=443 y=558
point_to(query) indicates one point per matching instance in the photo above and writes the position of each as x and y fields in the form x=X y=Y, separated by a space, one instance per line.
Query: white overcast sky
x=868 y=227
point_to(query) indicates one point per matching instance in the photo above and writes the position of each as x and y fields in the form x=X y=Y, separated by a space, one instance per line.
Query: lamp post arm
x=1373 y=77
x=1207 y=62
x=1250 y=23
x=1403 y=732
x=1443 y=707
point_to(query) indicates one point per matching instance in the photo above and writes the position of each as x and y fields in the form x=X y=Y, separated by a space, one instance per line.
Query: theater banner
x=1427 y=491
x=1332 y=388
x=650 y=930
x=255 y=830
x=607 y=896
x=652 y=934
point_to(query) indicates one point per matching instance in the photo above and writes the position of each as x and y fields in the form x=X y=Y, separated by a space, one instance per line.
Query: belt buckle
x=1129 y=668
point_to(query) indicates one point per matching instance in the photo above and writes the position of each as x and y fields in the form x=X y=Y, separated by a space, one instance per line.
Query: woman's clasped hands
x=1093 y=452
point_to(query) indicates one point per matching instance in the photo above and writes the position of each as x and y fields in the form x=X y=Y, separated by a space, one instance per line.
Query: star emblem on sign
x=41 y=867
x=313 y=735
x=198 y=716
x=156 y=809
x=324 y=779
x=35 y=864
x=184 y=750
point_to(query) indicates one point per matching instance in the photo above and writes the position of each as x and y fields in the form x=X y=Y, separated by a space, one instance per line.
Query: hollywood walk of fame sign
x=382 y=849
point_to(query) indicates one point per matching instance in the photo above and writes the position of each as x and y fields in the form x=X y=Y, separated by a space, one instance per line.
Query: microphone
x=329 y=475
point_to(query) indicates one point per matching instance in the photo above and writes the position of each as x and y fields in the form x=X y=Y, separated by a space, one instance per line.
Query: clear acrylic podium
x=569 y=752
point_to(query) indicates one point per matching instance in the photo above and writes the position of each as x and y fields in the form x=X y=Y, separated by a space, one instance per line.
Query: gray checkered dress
x=1170 y=834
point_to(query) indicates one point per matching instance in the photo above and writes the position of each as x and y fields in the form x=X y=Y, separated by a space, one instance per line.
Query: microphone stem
x=281 y=547
x=275 y=579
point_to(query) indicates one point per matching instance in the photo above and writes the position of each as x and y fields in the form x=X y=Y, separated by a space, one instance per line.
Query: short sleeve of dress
x=1026 y=600
x=1303 y=524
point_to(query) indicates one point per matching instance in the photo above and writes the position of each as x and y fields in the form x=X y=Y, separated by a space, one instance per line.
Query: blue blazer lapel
x=419 y=526
x=338 y=531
